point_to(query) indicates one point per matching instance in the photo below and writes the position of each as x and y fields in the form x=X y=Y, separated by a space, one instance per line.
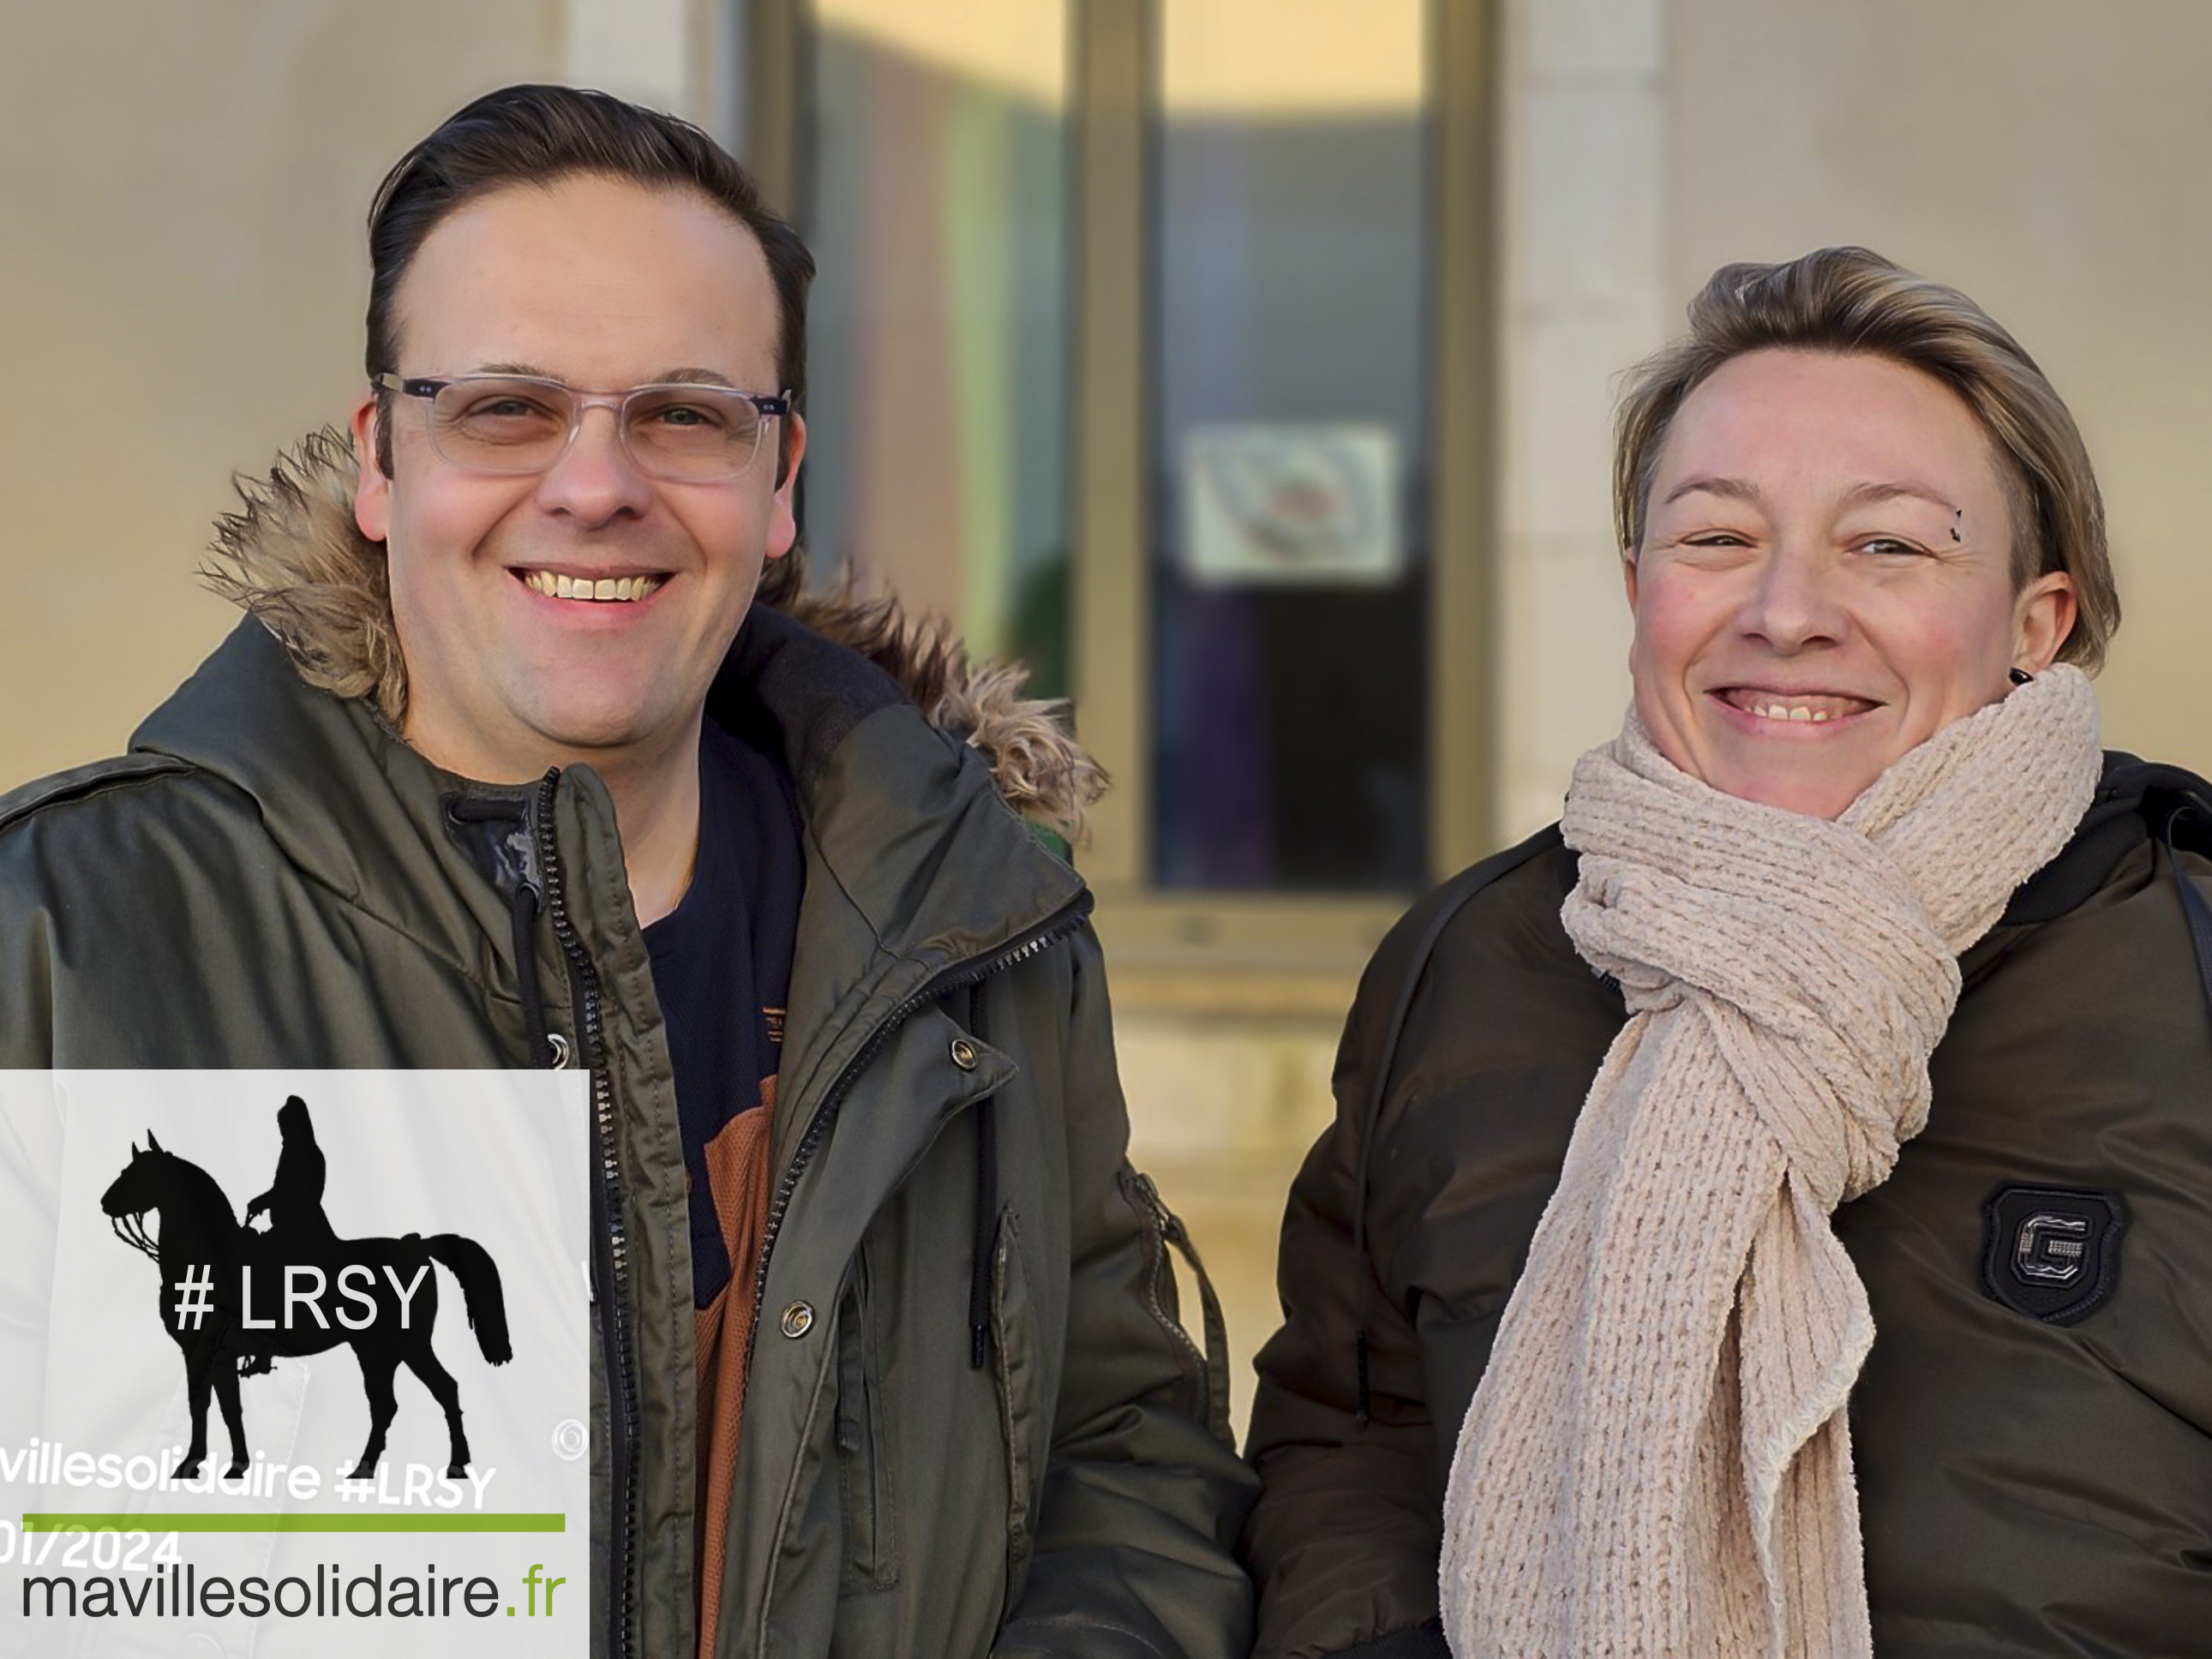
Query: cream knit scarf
x=1657 y=1461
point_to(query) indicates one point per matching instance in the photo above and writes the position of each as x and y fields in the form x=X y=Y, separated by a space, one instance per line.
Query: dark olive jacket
x=2027 y=1487
x=271 y=877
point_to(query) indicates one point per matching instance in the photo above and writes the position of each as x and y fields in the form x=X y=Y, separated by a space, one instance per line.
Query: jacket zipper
x=613 y=1330
x=610 y=1243
x=1034 y=942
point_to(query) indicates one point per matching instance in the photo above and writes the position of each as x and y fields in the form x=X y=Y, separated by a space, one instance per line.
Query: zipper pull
x=1170 y=1226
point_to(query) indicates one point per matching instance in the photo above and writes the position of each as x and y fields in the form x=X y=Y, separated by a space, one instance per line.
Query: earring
x=2019 y=676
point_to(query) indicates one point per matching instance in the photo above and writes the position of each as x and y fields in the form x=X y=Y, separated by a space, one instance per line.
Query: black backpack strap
x=1145 y=1193
x=1462 y=888
x=2194 y=907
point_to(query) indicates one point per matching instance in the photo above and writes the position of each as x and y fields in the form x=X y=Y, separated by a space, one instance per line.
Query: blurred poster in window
x=1289 y=568
x=1292 y=504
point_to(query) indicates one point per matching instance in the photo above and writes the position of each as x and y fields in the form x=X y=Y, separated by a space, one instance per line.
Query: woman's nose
x=1795 y=602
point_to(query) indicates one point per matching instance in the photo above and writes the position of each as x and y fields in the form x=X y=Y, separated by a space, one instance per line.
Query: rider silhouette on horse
x=298 y=1229
x=295 y=1199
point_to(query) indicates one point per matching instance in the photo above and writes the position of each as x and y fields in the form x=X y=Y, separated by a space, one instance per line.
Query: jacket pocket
x=866 y=1466
x=1206 y=1371
x=1014 y=1362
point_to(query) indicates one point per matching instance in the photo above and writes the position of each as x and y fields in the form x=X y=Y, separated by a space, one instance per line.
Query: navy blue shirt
x=722 y=966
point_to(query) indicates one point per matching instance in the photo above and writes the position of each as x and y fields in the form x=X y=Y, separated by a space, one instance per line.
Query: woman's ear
x=2042 y=618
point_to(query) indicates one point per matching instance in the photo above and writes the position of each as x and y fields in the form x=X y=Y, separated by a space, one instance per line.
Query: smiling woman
x=1601 y=1260
x=1847 y=500
x=1826 y=577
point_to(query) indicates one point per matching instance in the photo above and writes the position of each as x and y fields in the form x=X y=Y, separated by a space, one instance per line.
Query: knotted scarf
x=1657 y=1461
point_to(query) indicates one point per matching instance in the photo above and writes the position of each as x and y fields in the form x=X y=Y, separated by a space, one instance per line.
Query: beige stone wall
x=1223 y=1107
x=1584 y=108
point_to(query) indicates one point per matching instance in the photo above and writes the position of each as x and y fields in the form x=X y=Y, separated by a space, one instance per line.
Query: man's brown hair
x=537 y=135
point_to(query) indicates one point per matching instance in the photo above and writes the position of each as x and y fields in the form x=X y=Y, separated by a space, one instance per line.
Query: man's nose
x=1795 y=600
x=595 y=480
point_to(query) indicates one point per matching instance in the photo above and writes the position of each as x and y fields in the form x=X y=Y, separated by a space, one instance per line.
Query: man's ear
x=372 y=490
x=783 y=518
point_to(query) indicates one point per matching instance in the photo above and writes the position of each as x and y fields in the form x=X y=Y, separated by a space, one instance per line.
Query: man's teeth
x=623 y=588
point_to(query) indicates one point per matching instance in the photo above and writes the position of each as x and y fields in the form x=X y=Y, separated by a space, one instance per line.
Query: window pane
x=1289 y=579
x=936 y=408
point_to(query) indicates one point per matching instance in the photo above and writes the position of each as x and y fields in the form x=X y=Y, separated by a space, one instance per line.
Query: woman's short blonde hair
x=1848 y=299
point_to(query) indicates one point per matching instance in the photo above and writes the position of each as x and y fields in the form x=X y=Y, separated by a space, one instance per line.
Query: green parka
x=271 y=877
x=2026 y=1487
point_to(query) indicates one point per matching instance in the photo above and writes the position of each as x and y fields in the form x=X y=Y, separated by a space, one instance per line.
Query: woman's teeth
x=624 y=589
x=1806 y=710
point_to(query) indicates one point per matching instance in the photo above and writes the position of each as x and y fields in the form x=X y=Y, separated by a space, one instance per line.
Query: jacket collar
x=907 y=757
x=346 y=802
x=2135 y=800
x=907 y=818
x=293 y=558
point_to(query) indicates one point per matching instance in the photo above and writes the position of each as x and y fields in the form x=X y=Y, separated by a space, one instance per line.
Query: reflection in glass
x=938 y=333
x=1290 y=649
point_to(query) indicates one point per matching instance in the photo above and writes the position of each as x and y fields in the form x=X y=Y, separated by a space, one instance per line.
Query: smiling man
x=517 y=761
x=573 y=568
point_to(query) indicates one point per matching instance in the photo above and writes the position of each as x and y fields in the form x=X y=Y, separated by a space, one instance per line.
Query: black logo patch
x=2051 y=1254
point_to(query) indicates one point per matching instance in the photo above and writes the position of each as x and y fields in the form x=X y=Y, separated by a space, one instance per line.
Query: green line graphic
x=290 y=1521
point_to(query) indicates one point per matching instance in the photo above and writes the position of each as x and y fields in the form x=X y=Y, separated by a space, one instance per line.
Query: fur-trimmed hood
x=293 y=558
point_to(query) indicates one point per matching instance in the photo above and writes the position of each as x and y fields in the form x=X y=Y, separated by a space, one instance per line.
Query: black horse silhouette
x=377 y=1294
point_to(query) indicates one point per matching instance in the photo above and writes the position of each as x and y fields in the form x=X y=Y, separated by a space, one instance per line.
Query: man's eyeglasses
x=519 y=423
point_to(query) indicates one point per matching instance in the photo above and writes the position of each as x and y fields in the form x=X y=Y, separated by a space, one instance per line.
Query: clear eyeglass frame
x=444 y=404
